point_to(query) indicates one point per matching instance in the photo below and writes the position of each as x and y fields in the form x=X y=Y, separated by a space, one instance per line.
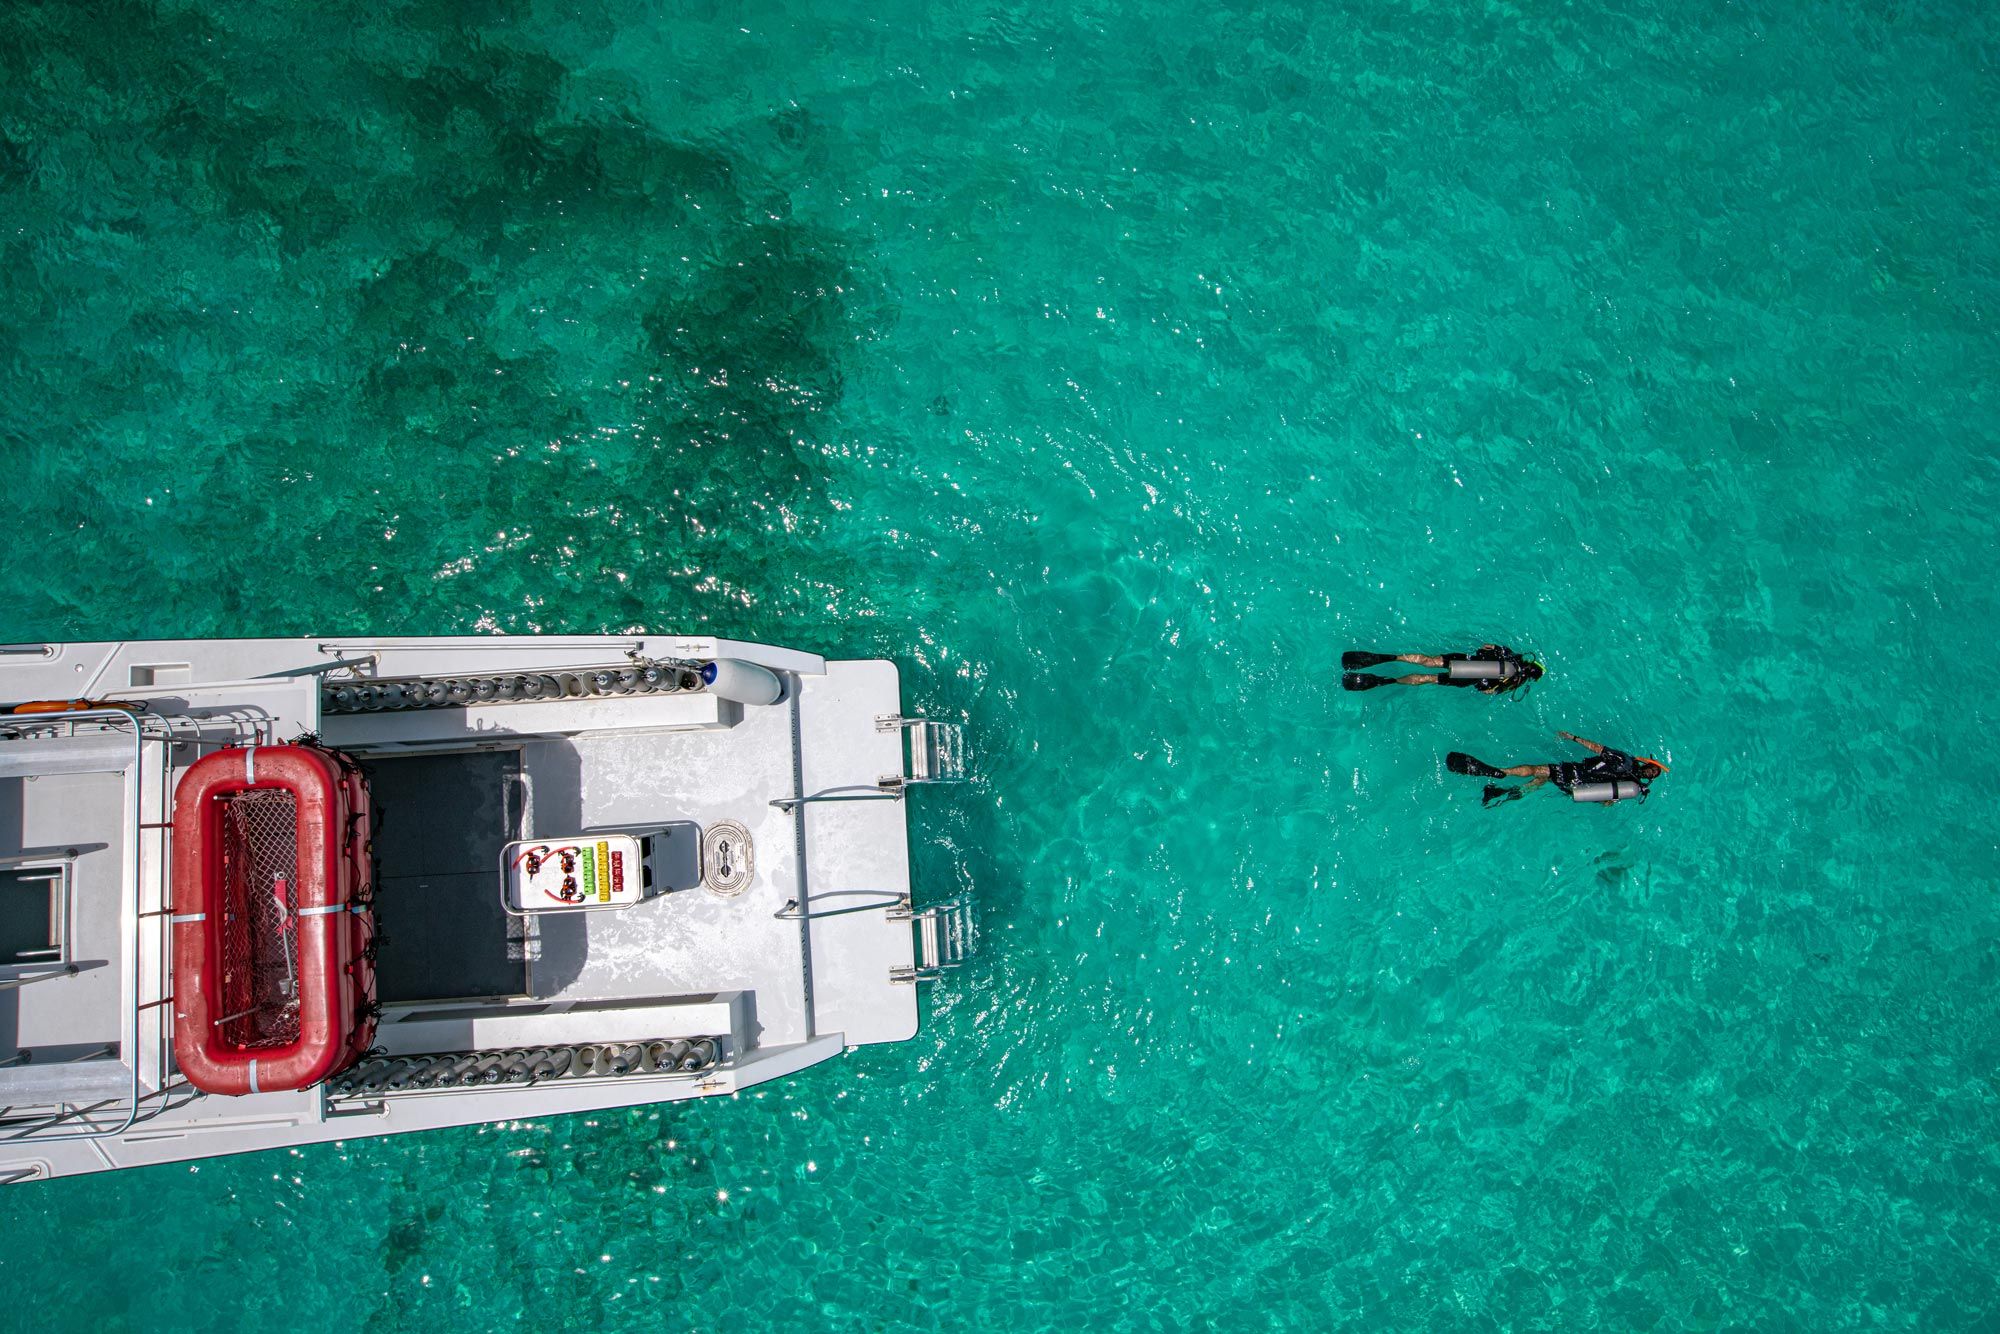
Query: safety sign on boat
x=572 y=874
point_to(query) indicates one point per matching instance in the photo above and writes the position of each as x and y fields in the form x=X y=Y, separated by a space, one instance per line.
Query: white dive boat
x=256 y=893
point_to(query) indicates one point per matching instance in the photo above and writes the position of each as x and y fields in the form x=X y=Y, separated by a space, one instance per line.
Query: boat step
x=943 y=938
x=933 y=752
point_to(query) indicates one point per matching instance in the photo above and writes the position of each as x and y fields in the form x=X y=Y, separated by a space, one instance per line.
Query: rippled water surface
x=1112 y=367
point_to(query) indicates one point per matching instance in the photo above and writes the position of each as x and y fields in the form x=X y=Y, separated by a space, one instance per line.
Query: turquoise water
x=1112 y=369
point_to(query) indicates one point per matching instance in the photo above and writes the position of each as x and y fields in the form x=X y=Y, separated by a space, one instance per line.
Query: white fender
x=743 y=682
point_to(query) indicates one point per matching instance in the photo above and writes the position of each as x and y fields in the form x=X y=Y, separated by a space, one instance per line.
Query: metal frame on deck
x=75 y=1121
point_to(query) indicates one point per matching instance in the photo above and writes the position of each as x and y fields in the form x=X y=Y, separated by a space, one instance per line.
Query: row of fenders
x=529 y=1065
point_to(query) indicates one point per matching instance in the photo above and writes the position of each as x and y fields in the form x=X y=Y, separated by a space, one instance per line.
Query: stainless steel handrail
x=851 y=792
x=321 y=668
x=879 y=900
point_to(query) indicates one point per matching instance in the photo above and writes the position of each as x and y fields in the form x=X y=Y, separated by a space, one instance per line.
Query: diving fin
x=1494 y=794
x=1363 y=681
x=1355 y=657
x=1461 y=763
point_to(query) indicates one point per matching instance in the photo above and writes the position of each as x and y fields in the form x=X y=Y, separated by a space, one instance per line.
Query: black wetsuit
x=1509 y=660
x=1610 y=767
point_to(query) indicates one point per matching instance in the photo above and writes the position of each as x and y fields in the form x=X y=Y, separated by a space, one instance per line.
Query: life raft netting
x=260 y=876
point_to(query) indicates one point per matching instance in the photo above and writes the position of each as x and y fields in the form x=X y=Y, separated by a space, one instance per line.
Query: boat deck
x=449 y=811
x=687 y=941
x=814 y=952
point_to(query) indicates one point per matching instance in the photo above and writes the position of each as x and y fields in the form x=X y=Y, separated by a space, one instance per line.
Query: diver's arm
x=1591 y=746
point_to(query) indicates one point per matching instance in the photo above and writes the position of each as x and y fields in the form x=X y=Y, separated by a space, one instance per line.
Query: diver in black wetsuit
x=1607 y=776
x=1494 y=670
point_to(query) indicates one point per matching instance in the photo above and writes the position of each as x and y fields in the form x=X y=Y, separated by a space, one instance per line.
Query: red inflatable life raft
x=274 y=981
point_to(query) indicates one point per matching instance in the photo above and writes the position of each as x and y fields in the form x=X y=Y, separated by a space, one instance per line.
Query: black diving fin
x=1363 y=681
x=1461 y=763
x=1494 y=794
x=1355 y=657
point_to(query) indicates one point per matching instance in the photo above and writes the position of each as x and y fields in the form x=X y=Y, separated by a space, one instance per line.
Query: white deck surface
x=690 y=941
x=857 y=852
x=62 y=1018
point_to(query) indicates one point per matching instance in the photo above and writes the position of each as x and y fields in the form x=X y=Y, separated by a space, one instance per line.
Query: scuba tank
x=445 y=1072
x=548 y=1064
x=431 y=1074
x=701 y=1054
x=1478 y=669
x=439 y=1074
x=385 y=1074
x=613 y=682
x=400 y=1075
x=482 y=1070
x=1621 y=789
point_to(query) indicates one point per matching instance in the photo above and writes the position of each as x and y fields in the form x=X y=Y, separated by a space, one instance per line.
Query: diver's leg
x=1368 y=680
x=1419 y=660
x=1494 y=795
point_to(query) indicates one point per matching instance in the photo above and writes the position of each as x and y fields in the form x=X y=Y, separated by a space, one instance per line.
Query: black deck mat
x=445 y=819
x=26 y=913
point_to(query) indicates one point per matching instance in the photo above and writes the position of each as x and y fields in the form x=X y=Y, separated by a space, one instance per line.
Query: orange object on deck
x=75 y=705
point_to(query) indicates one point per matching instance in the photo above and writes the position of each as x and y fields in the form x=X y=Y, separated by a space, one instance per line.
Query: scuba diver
x=1494 y=670
x=1607 y=776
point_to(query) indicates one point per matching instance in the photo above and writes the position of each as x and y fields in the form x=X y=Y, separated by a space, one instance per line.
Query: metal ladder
x=942 y=941
x=932 y=752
